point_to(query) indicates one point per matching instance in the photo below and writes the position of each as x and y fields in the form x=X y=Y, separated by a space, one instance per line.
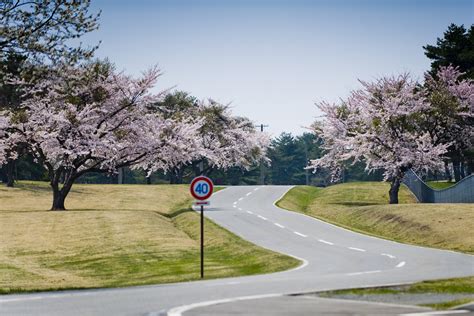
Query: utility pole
x=306 y=171
x=262 y=167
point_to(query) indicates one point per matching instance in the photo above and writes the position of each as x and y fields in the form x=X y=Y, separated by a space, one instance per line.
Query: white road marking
x=178 y=311
x=240 y=209
x=235 y=202
x=300 y=234
x=240 y=199
x=264 y=218
x=279 y=225
x=233 y=282
x=401 y=264
x=365 y=272
x=429 y=313
x=388 y=255
x=248 y=193
x=356 y=249
x=250 y=212
x=256 y=189
x=234 y=206
x=325 y=242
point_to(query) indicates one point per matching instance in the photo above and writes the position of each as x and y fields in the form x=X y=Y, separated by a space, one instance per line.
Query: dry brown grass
x=362 y=206
x=114 y=235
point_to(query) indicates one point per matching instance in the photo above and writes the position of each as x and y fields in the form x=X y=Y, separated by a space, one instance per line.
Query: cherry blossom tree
x=231 y=141
x=379 y=124
x=93 y=119
x=450 y=118
x=228 y=140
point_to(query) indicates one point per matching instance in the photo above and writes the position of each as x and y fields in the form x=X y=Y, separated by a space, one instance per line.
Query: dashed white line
x=356 y=249
x=235 y=206
x=240 y=199
x=300 y=234
x=256 y=189
x=264 y=218
x=250 y=212
x=240 y=209
x=325 y=242
x=364 y=272
x=401 y=264
x=388 y=255
x=279 y=225
x=248 y=193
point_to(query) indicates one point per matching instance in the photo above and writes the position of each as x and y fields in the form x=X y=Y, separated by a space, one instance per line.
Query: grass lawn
x=115 y=235
x=440 y=185
x=363 y=207
x=451 y=286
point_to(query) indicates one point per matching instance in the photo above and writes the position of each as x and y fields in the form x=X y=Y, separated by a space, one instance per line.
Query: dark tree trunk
x=394 y=189
x=447 y=171
x=462 y=170
x=120 y=176
x=58 y=200
x=148 y=180
x=10 y=173
x=176 y=175
x=3 y=175
x=456 y=170
x=60 y=193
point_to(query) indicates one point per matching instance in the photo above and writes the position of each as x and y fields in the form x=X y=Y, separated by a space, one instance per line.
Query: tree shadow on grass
x=356 y=203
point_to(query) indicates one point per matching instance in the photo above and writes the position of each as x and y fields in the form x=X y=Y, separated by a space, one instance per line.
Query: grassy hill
x=115 y=235
x=363 y=207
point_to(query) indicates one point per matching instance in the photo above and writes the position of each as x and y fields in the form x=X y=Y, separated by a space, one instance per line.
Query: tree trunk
x=456 y=170
x=462 y=170
x=58 y=200
x=394 y=188
x=148 y=180
x=60 y=194
x=120 y=176
x=176 y=175
x=10 y=171
x=447 y=171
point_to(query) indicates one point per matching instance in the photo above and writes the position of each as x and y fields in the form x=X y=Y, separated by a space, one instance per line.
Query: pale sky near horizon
x=272 y=60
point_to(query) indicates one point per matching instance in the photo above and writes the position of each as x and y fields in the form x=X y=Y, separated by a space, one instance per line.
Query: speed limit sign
x=201 y=188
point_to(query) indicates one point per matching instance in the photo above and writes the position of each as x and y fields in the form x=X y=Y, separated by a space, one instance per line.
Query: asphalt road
x=333 y=258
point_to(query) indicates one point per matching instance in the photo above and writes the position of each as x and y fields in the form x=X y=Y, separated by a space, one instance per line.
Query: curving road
x=333 y=258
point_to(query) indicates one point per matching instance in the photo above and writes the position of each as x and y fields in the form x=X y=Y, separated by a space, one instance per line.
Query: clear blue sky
x=273 y=59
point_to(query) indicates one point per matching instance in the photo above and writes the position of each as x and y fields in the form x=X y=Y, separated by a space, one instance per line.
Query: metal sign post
x=201 y=189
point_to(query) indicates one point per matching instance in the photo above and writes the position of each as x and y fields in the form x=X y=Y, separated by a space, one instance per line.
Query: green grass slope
x=363 y=207
x=115 y=235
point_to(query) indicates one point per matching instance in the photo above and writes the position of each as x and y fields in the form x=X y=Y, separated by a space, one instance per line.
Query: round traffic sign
x=201 y=188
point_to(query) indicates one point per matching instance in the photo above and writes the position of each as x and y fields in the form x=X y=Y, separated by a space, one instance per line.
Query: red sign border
x=211 y=188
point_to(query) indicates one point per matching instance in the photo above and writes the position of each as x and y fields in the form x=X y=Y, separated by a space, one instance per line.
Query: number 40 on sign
x=201 y=189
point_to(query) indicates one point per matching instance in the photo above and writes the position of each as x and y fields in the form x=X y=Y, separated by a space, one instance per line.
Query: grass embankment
x=362 y=206
x=440 y=185
x=451 y=286
x=115 y=236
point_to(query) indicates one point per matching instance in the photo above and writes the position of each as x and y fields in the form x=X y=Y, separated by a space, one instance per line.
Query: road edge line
x=178 y=311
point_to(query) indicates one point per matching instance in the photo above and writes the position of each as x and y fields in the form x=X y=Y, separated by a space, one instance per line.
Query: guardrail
x=461 y=192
